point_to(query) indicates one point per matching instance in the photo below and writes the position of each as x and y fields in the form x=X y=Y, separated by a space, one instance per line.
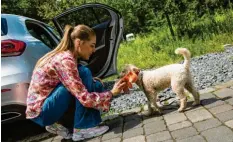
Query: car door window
x=41 y=33
x=102 y=15
x=84 y=16
x=99 y=19
x=107 y=23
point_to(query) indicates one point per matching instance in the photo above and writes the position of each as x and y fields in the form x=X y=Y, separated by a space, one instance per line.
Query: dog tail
x=187 y=55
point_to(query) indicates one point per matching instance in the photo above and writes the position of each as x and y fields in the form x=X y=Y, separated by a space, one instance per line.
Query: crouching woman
x=57 y=78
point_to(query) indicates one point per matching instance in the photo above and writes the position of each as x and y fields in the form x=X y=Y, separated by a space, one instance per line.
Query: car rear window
x=3 y=26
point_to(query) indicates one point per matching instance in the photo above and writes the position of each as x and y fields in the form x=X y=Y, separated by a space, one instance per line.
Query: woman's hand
x=118 y=86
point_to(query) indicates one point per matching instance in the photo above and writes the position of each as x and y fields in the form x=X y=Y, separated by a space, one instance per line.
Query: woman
x=56 y=79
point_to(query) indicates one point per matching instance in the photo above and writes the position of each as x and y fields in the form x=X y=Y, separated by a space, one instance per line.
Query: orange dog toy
x=129 y=78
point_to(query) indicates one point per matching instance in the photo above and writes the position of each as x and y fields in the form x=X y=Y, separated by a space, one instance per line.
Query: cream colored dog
x=178 y=76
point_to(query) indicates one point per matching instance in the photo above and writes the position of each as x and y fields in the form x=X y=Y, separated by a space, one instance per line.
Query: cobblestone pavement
x=210 y=122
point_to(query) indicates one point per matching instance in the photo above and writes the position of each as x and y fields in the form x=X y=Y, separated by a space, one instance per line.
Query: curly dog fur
x=178 y=76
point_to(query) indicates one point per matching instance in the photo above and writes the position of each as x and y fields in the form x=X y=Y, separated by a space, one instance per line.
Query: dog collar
x=140 y=78
x=140 y=75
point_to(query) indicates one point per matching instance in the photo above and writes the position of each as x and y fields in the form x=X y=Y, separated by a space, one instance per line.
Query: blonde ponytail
x=65 y=44
x=82 y=32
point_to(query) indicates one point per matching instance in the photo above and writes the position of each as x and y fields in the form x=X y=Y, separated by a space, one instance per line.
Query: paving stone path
x=210 y=122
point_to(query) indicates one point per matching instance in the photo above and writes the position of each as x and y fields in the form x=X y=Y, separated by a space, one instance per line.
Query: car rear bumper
x=13 y=98
x=14 y=94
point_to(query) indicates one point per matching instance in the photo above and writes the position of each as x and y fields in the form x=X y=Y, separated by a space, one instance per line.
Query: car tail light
x=5 y=90
x=12 y=48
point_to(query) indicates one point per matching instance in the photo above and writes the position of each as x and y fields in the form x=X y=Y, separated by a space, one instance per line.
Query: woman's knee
x=55 y=106
x=61 y=93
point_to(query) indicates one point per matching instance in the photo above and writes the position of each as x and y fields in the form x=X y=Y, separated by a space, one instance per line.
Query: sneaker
x=59 y=130
x=81 y=134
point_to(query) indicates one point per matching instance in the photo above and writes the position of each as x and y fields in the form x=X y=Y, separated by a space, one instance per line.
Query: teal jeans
x=59 y=101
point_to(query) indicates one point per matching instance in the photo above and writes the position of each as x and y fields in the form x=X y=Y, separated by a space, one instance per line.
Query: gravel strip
x=207 y=70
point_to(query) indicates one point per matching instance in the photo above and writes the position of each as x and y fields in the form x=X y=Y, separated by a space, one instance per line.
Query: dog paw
x=152 y=113
x=159 y=110
x=147 y=113
x=195 y=103
x=183 y=104
x=181 y=110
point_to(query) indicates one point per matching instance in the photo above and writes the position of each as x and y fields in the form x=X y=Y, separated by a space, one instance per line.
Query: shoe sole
x=55 y=132
x=51 y=131
x=78 y=139
x=90 y=136
x=95 y=135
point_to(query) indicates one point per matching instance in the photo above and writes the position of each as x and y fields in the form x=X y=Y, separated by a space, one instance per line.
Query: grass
x=157 y=49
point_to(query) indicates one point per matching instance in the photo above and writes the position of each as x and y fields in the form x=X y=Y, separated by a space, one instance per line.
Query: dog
x=178 y=76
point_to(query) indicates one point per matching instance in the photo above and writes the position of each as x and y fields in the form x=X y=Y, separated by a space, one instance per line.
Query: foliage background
x=160 y=26
x=182 y=17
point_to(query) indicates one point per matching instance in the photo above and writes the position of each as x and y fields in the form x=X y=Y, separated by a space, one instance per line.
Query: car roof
x=14 y=16
x=16 y=24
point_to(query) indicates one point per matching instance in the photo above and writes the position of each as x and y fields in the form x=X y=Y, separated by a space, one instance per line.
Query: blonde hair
x=82 y=32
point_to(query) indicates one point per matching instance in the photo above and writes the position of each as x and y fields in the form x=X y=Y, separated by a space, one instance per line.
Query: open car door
x=108 y=26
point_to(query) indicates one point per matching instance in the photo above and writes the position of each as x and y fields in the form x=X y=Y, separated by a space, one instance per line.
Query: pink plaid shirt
x=61 y=68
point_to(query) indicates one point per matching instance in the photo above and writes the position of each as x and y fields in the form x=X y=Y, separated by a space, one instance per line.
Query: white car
x=25 y=40
x=130 y=37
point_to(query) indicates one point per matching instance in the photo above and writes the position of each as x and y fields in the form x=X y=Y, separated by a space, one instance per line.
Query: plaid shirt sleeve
x=67 y=71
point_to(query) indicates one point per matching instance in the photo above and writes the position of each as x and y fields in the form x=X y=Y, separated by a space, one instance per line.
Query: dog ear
x=122 y=73
x=124 y=70
x=136 y=70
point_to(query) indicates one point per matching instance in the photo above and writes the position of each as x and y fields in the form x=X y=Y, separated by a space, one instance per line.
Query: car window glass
x=88 y=16
x=97 y=18
x=54 y=31
x=83 y=16
x=4 y=29
x=105 y=21
x=41 y=34
x=103 y=15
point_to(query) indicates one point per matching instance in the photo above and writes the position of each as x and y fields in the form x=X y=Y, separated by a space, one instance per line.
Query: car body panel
x=25 y=62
